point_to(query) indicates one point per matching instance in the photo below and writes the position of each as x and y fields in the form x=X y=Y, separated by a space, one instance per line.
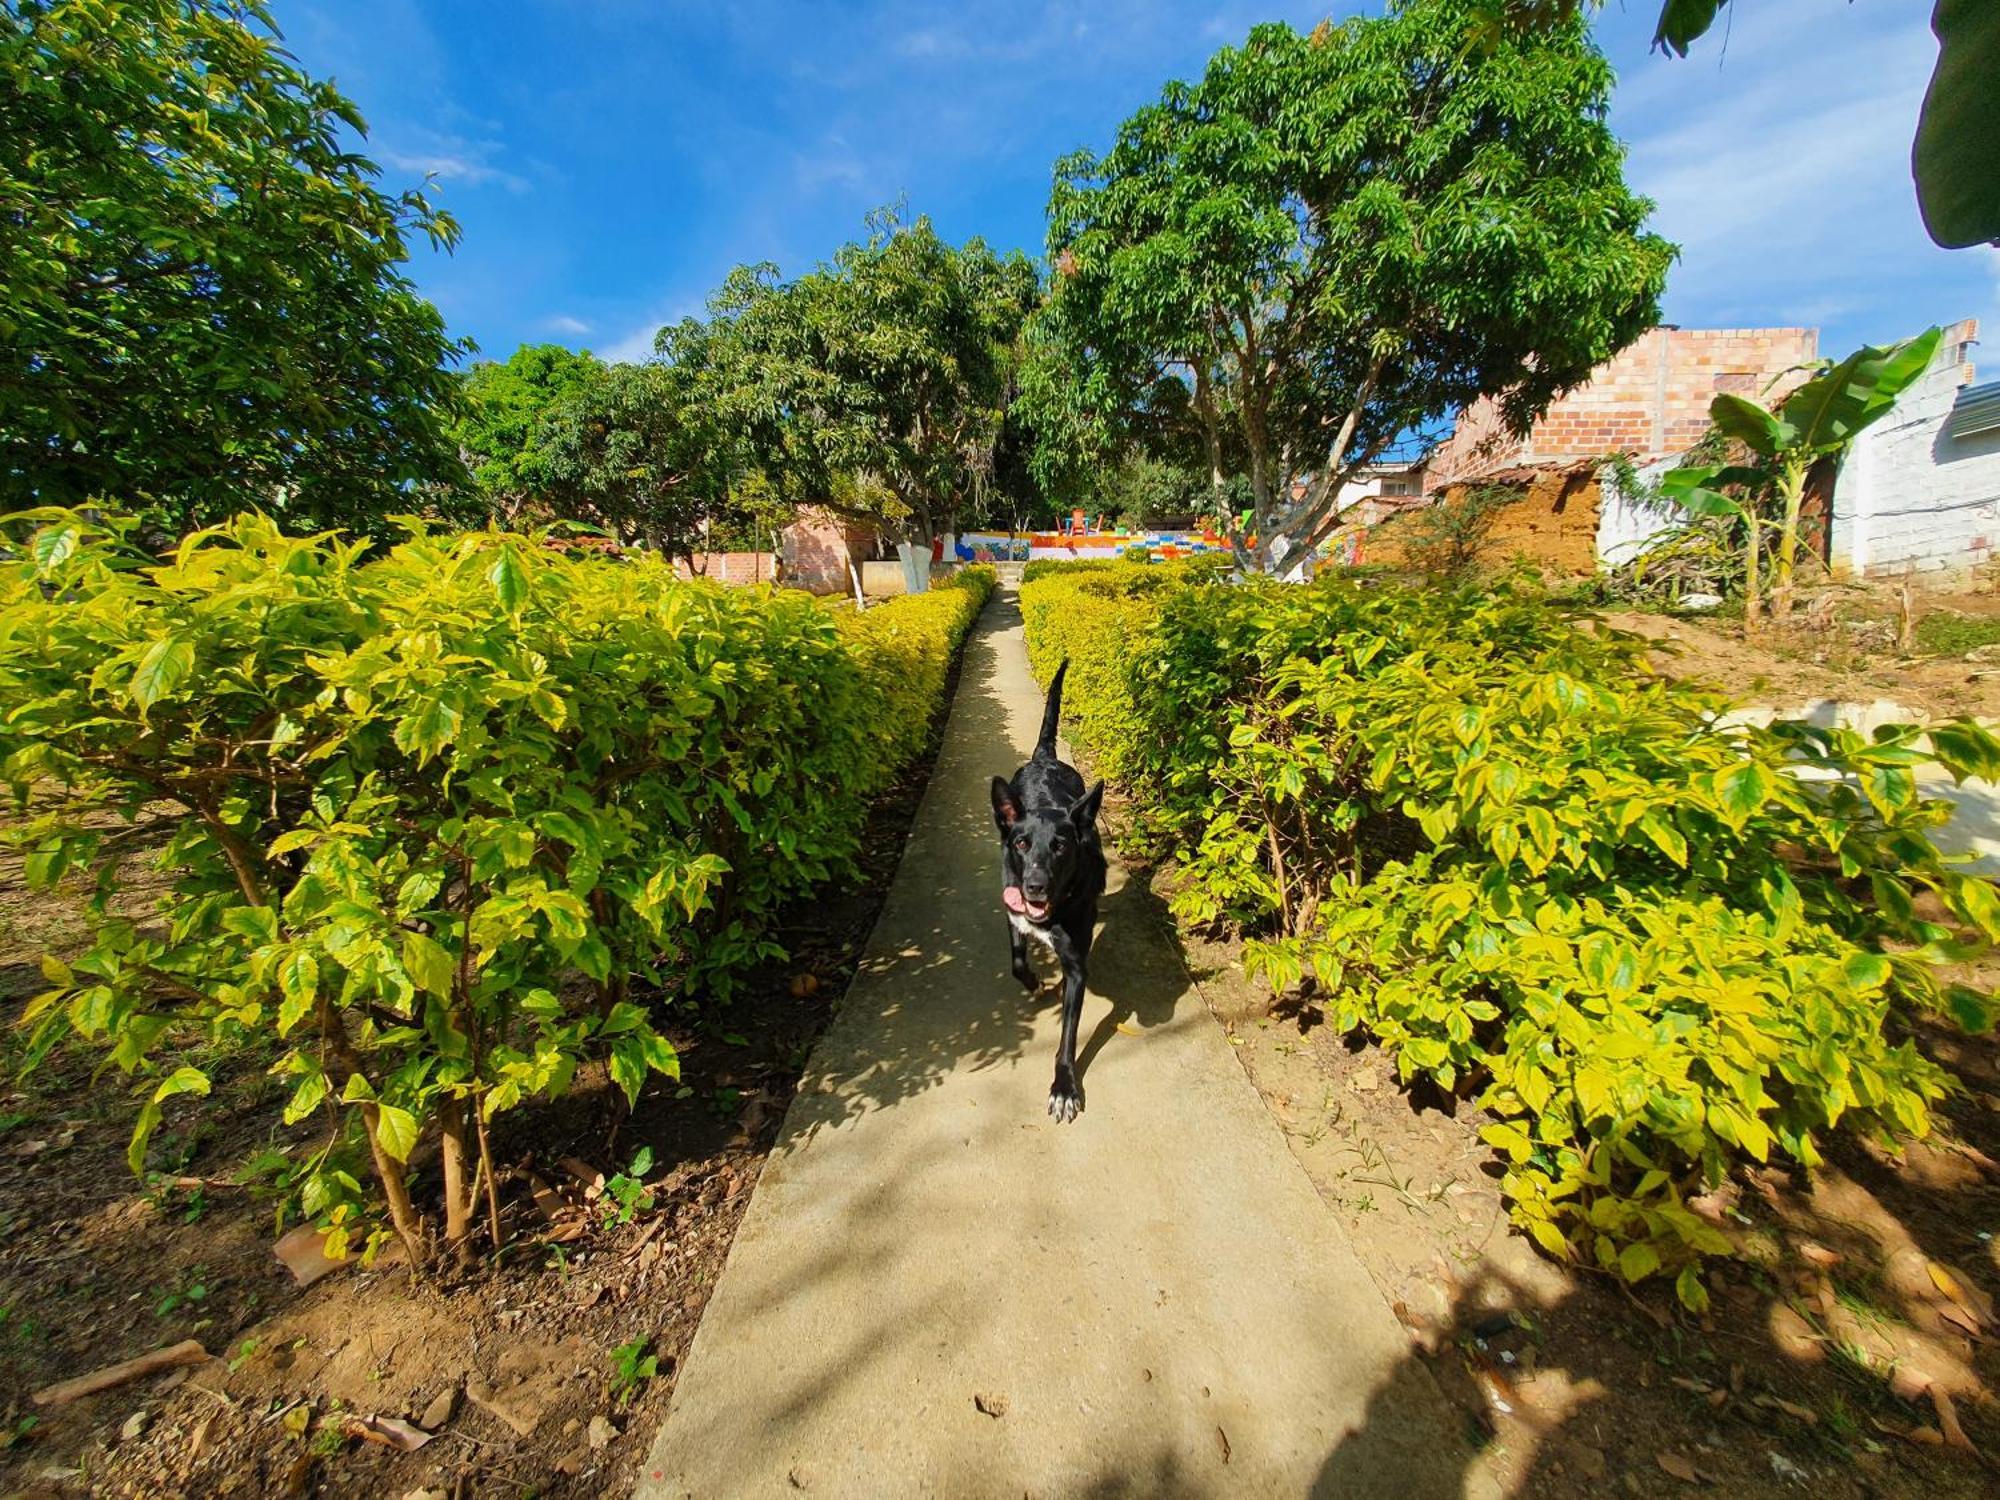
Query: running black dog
x=1051 y=874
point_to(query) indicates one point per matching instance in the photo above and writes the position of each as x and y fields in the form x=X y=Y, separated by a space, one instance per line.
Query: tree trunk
x=1753 y=600
x=455 y=1156
x=1211 y=430
x=390 y=1172
x=1792 y=486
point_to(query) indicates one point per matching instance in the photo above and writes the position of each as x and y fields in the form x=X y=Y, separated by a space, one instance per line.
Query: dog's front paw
x=1024 y=972
x=1065 y=1099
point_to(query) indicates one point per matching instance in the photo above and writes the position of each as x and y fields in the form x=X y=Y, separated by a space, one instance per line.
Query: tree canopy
x=501 y=425
x=876 y=383
x=1331 y=241
x=556 y=435
x=206 y=301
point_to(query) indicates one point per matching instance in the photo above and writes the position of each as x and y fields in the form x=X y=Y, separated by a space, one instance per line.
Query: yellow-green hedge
x=905 y=648
x=1092 y=615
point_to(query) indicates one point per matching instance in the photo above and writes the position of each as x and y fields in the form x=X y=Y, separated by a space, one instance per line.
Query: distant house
x=1646 y=402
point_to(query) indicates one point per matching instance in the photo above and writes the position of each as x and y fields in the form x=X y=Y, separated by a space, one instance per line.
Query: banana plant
x=1818 y=420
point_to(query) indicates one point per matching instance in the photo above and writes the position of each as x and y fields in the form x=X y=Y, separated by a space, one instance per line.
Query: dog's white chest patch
x=1033 y=930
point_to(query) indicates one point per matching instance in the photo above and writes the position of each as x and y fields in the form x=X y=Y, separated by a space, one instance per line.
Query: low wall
x=730 y=567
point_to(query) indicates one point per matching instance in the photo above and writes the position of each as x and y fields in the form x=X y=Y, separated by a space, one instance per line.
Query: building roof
x=1528 y=473
x=1977 y=409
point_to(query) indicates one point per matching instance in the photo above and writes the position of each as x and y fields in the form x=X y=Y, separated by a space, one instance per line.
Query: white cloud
x=452 y=158
x=1785 y=180
x=634 y=347
x=930 y=41
x=564 y=323
x=832 y=163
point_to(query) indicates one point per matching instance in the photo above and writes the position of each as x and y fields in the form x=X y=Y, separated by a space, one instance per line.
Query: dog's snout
x=1033 y=889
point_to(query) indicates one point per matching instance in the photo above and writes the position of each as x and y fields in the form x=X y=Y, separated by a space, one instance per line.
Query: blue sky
x=610 y=160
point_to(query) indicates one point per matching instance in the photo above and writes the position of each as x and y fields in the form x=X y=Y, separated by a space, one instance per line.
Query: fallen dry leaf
x=993 y=1406
x=1947 y=1415
x=1969 y=1299
x=551 y=1203
x=1929 y=1436
x=1222 y=1443
x=1679 y=1467
x=391 y=1432
x=302 y=1251
x=1818 y=1254
x=1962 y=1320
x=585 y=1173
x=1791 y=1409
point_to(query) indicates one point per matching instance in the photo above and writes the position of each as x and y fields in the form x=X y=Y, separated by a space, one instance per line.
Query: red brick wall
x=818 y=547
x=1651 y=399
x=728 y=567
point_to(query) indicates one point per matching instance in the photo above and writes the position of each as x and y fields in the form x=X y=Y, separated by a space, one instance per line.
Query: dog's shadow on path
x=1134 y=965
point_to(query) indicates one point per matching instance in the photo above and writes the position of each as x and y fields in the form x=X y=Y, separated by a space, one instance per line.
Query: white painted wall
x=1626 y=524
x=1911 y=496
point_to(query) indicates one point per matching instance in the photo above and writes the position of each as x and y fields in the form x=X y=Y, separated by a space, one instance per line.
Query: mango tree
x=1816 y=421
x=204 y=291
x=874 y=385
x=1331 y=241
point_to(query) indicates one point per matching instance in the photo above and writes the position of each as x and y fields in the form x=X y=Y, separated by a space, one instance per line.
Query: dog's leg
x=1023 y=970
x=1066 y=1094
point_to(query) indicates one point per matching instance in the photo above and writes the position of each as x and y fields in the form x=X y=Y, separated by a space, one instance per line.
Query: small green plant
x=191 y=1291
x=19 y=1433
x=627 y=1192
x=1448 y=540
x=631 y=1367
x=1946 y=633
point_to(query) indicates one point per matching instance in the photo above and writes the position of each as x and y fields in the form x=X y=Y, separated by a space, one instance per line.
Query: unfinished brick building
x=1649 y=401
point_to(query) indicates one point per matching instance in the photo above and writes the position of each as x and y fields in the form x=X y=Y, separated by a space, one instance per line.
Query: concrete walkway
x=939 y=1291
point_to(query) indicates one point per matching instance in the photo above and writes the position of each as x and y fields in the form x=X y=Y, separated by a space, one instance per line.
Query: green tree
x=627 y=451
x=1143 y=490
x=501 y=426
x=204 y=296
x=1332 y=240
x=874 y=384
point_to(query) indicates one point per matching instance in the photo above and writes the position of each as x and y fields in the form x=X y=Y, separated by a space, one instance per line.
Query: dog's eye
x=1022 y=845
x=1061 y=844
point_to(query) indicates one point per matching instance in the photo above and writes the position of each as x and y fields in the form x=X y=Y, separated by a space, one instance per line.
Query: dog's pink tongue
x=1016 y=902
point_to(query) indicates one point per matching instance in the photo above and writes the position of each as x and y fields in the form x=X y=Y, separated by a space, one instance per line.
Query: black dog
x=1052 y=872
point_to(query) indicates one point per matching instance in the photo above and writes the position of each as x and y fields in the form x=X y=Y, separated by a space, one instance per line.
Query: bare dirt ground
x=1810 y=1373
x=1845 y=650
x=509 y=1367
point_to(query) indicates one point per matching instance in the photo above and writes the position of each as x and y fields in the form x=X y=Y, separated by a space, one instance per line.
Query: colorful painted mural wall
x=1034 y=546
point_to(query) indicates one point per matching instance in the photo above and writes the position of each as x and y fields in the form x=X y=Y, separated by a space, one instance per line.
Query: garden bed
x=93 y=1269
x=1660 y=1094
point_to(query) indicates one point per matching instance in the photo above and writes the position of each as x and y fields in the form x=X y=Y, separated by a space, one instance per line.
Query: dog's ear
x=1006 y=811
x=1083 y=812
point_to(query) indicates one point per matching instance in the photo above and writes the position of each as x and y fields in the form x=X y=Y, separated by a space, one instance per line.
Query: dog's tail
x=1052 y=714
